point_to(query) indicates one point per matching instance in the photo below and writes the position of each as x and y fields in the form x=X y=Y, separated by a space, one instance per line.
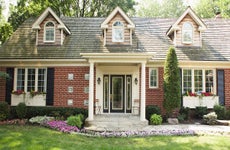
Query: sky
x=7 y=4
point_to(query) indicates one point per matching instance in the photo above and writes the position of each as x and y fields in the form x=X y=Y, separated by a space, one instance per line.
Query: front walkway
x=129 y=122
x=196 y=128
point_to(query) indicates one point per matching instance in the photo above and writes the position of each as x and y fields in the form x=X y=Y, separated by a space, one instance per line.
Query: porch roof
x=118 y=57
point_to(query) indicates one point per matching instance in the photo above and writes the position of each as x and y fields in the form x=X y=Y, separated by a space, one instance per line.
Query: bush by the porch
x=152 y=109
x=156 y=119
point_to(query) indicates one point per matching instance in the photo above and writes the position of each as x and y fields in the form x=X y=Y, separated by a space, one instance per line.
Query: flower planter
x=37 y=100
x=193 y=102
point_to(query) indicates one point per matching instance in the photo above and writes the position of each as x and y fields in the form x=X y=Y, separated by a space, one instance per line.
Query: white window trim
x=157 y=74
x=26 y=76
x=113 y=32
x=47 y=41
x=182 y=33
x=203 y=79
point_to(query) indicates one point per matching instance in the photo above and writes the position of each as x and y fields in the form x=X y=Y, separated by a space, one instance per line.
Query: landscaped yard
x=36 y=137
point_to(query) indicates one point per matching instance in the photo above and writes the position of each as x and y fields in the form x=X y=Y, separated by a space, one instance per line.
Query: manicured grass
x=35 y=138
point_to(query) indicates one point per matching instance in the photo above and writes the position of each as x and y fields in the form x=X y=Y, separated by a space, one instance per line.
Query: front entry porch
x=116 y=122
x=116 y=82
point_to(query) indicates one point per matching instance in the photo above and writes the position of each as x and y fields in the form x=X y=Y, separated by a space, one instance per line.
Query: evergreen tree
x=172 y=90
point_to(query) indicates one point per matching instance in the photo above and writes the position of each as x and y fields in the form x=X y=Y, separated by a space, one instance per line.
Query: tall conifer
x=172 y=89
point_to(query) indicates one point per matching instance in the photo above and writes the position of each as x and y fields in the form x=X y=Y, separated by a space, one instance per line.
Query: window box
x=37 y=100
x=194 y=101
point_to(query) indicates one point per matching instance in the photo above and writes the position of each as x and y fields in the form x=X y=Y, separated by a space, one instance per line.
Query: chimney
x=218 y=15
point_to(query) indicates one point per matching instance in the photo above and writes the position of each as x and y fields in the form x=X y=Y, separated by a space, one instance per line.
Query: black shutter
x=50 y=86
x=9 y=84
x=181 y=87
x=220 y=86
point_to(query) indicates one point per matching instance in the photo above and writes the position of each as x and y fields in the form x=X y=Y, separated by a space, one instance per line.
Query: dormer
x=117 y=28
x=187 y=30
x=50 y=30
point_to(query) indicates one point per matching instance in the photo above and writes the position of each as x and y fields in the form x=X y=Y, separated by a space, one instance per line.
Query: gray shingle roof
x=149 y=36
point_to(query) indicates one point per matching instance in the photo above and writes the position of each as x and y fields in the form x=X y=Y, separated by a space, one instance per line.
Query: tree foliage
x=209 y=8
x=172 y=90
x=5 y=28
x=163 y=9
x=77 y=8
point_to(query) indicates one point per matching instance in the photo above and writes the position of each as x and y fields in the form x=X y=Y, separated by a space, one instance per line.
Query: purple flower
x=62 y=126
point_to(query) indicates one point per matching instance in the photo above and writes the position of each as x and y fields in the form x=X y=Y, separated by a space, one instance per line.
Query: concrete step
x=115 y=122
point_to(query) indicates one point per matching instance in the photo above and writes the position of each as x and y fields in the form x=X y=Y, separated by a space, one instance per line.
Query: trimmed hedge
x=58 y=112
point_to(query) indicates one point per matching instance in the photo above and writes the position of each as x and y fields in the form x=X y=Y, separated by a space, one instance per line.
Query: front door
x=117 y=93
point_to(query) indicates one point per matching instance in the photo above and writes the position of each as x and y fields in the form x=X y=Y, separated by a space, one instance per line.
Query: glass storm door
x=117 y=93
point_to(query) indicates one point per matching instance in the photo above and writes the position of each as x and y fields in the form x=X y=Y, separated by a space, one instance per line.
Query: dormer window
x=118 y=32
x=49 y=33
x=187 y=33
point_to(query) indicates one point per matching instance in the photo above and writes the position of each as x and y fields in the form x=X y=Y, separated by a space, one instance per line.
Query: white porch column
x=142 y=114
x=91 y=91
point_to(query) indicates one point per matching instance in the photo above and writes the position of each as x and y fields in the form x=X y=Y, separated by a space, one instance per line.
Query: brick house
x=115 y=64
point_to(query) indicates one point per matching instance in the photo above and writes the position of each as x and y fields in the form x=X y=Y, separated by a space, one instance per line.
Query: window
x=198 y=80
x=21 y=79
x=118 y=32
x=187 y=82
x=187 y=33
x=153 y=77
x=31 y=79
x=49 y=32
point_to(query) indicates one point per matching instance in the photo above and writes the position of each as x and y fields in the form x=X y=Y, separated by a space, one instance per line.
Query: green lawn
x=35 y=138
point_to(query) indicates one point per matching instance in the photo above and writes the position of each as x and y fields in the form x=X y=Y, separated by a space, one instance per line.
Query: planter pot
x=37 y=100
x=193 y=102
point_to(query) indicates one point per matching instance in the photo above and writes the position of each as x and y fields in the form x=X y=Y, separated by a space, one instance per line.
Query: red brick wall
x=227 y=87
x=154 y=96
x=2 y=86
x=61 y=84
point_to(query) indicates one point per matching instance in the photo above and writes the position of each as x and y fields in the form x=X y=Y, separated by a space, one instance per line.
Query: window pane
x=198 y=80
x=21 y=79
x=187 y=81
x=31 y=80
x=118 y=32
x=209 y=81
x=49 y=31
x=187 y=32
x=153 y=78
x=49 y=34
x=118 y=35
x=118 y=23
x=41 y=80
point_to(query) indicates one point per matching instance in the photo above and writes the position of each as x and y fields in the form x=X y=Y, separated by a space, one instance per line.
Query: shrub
x=181 y=117
x=152 y=109
x=184 y=111
x=220 y=111
x=75 y=120
x=41 y=119
x=210 y=118
x=227 y=114
x=201 y=111
x=21 y=110
x=156 y=119
x=57 y=112
x=4 y=111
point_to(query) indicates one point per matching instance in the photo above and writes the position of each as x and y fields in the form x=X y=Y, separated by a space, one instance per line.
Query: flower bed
x=63 y=127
